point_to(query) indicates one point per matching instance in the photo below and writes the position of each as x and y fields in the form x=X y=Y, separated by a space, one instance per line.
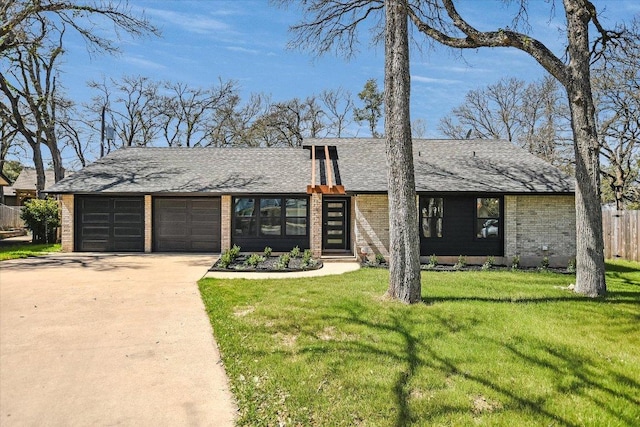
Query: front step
x=339 y=258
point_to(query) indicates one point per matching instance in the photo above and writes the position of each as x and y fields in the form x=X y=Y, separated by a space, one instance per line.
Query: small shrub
x=234 y=252
x=462 y=263
x=225 y=259
x=295 y=252
x=254 y=260
x=515 y=262
x=283 y=261
x=267 y=251
x=41 y=216
x=571 y=267
x=544 y=264
x=306 y=258
x=490 y=262
x=380 y=259
x=433 y=260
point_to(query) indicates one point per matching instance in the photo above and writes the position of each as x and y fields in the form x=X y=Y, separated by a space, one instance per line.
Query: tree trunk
x=590 y=270
x=404 y=262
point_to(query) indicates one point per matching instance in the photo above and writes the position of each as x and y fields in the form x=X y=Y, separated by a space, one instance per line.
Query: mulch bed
x=439 y=267
x=269 y=265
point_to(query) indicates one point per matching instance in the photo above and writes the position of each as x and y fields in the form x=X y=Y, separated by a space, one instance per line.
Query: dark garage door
x=110 y=224
x=186 y=224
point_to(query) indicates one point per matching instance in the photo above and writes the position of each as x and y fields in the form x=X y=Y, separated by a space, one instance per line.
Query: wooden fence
x=621 y=231
x=10 y=217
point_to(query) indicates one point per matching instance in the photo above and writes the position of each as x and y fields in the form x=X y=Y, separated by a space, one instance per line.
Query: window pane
x=432 y=213
x=270 y=218
x=244 y=207
x=296 y=226
x=488 y=217
x=488 y=228
x=296 y=207
x=488 y=207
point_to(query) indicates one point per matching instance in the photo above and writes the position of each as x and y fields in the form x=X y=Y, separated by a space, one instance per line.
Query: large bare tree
x=31 y=42
x=404 y=262
x=439 y=20
x=616 y=81
x=534 y=116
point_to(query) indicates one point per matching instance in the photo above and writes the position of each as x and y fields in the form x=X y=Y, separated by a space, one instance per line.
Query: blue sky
x=245 y=40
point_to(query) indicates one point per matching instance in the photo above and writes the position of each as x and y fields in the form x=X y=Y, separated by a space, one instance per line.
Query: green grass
x=486 y=348
x=25 y=250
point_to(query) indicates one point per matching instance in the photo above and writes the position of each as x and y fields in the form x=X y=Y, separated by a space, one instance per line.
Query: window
x=487 y=217
x=432 y=213
x=271 y=219
x=296 y=217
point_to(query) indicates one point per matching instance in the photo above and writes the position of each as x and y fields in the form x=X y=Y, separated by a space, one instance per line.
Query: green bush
x=295 y=252
x=42 y=216
x=267 y=251
x=283 y=261
x=254 y=260
x=462 y=262
x=489 y=263
x=515 y=262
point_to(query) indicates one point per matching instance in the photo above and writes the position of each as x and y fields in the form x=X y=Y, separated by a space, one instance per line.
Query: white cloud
x=242 y=50
x=193 y=23
x=423 y=79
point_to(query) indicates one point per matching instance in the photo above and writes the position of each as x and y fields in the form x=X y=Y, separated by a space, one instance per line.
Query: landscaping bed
x=266 y=261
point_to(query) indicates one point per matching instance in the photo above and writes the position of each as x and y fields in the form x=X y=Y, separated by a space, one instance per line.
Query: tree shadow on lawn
x=417 y=354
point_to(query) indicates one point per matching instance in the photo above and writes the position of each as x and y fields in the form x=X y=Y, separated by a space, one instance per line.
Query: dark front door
x=335 y=224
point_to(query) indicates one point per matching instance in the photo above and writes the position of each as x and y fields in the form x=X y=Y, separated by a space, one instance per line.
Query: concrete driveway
x=95 y=339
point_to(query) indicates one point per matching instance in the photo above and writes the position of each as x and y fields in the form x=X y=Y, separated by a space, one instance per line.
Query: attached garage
x=109 y=224
x=186 y=224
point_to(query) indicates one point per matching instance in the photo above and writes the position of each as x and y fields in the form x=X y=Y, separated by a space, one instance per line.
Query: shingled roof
x=193 y=170
x=486 y=166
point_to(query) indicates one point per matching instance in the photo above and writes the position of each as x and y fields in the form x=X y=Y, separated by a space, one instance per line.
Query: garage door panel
x=108 y=224
x=97 y=218
x=186 y=224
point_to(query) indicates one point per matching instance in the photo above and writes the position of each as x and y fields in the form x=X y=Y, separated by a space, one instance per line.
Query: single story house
x=24 y=188
x=476 y=198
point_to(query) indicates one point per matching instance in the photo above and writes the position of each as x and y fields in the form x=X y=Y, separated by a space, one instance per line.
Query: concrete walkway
x=97 y=340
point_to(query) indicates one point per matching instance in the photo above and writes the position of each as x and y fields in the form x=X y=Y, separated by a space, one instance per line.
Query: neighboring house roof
x=4 y=181
x=440 y=166
x=27 y=181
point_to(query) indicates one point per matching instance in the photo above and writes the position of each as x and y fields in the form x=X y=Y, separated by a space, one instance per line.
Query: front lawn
x=486 y=348
x=25 y=250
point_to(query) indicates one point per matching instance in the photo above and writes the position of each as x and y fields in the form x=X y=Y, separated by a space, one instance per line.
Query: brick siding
x=225 y=223
x=67 y=222
x=371 y=224
x=315 y=227
x=539 y=226
x=148 y=231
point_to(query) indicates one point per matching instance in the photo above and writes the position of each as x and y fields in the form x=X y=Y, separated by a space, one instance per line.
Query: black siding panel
x=458 y=230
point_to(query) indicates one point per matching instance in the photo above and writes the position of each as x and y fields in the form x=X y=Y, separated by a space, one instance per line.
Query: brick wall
x=67 y=220
x=148 y=231
x=371 y=224
x=315 y=227
x=539 y=226
x=225 y=223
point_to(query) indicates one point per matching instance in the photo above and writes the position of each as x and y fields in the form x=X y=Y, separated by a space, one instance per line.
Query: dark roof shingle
x=487 y=166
